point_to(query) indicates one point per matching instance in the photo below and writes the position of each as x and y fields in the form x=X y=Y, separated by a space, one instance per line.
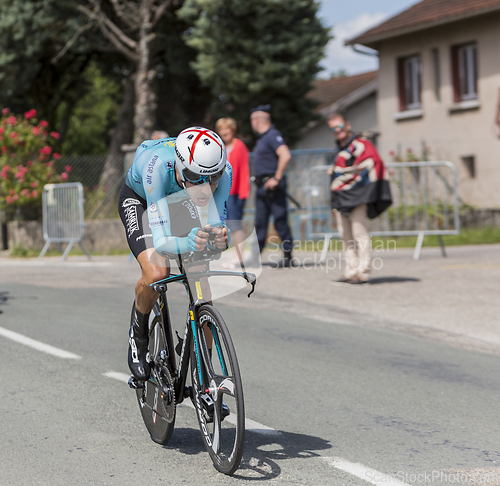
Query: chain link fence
x=300 y=164
x=425 y=199
x=101 y=177
x=102 y=185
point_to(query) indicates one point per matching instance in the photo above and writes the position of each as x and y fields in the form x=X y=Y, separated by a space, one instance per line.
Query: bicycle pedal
x=134 y=383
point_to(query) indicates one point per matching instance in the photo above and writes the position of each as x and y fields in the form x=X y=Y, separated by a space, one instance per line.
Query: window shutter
x=455 y=75
x=401 y=84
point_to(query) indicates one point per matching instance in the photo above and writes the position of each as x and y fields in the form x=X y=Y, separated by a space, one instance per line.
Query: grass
x=22 y=252
x=468 y=236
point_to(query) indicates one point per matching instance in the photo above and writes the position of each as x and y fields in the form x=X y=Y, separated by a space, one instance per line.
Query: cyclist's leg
x=132 y=209
x=262 y=214
x=153 y=267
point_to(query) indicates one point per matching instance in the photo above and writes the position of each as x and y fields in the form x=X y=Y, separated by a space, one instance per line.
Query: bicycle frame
x=180 y=372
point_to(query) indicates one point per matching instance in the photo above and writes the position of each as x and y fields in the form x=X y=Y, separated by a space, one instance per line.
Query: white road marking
x=365 y=473
x=46 y=348
x=117 y=376
x=58 y=263
x=250 y=424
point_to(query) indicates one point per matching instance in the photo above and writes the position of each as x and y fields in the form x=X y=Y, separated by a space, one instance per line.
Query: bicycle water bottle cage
x=178 y=347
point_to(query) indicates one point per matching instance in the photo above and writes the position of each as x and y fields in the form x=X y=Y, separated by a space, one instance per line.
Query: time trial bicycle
x=207 y=349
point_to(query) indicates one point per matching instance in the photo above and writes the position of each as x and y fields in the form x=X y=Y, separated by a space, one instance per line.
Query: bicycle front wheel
x=157 y=398
x=218 y=391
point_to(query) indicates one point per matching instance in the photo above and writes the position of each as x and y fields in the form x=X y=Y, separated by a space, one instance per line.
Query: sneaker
x=138 y=356
x=283 y=263
x=208 y=405
x=286 y=261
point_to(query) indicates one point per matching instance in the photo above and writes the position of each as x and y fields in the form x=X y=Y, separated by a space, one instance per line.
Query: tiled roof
x=328 y=91
x=425 y=14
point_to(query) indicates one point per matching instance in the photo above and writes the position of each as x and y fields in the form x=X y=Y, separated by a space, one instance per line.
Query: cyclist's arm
x=217 y=210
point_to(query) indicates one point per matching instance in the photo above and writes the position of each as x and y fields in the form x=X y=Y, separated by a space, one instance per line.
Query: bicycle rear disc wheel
x=223 y=434
x=157 y=398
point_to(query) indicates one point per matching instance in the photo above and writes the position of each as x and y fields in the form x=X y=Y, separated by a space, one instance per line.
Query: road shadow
x=382 y=280
x=261 y=450
x=4 y=297
x=295 y=264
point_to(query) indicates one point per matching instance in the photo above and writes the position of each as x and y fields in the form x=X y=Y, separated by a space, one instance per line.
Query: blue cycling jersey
x=152 y=176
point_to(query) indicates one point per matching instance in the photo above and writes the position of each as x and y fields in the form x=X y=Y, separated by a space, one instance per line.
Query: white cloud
x=339 y=56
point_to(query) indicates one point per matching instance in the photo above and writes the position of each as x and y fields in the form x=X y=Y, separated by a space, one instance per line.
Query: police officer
x=271 y=157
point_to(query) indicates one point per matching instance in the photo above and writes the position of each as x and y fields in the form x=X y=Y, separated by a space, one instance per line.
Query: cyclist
x=168 y=180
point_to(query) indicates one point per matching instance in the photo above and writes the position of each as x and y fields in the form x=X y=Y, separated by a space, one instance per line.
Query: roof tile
x=423 y=15
x=328 y=91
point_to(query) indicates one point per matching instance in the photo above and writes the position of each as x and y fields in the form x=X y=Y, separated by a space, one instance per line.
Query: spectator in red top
x=238 y=156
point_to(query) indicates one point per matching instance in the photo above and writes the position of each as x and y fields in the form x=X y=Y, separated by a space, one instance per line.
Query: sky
x=348 y=18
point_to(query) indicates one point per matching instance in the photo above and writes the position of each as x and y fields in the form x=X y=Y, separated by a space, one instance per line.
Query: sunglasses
x=340 y=126
x=202 y=179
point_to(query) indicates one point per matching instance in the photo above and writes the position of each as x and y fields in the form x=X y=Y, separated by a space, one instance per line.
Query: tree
x=130 y=28
x=255 y=52
x=32 y=32
x=93 y=115
x=142 y=32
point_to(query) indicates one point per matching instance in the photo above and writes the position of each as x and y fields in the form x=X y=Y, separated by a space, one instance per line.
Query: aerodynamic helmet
x=200 y=156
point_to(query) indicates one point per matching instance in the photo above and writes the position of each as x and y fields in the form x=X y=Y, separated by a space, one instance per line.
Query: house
x=355 y=96
x=438 y=87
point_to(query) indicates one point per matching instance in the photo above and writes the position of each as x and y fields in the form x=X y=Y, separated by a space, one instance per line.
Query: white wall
x=450 y=136
x=362 y=116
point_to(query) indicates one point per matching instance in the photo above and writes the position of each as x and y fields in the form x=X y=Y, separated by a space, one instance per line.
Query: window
x=470 y=164
x=464 y=70
x=437 y=74
x=409 y=83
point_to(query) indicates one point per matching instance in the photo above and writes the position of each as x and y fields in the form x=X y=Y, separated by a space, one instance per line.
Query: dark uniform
x=270 y=202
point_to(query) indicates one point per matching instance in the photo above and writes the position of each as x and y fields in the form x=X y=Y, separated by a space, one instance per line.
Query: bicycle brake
x=251 y=279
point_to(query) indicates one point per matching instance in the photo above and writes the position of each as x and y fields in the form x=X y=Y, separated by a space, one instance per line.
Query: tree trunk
x=114 y=170
x=146 y=99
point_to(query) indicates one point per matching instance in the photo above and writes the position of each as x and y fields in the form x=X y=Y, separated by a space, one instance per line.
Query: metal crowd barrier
x=425 y=202
x=63 y=220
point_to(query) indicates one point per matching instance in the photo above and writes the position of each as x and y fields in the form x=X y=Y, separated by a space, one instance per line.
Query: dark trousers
x=273 y=203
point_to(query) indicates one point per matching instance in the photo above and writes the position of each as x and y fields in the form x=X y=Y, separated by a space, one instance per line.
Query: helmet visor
x=202 y=178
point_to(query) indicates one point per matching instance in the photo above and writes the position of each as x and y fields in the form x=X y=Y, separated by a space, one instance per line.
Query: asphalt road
x=348 y=405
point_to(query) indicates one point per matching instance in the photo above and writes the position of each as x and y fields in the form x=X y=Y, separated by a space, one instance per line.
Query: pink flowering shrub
x=410 y=155
x=26 y=164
